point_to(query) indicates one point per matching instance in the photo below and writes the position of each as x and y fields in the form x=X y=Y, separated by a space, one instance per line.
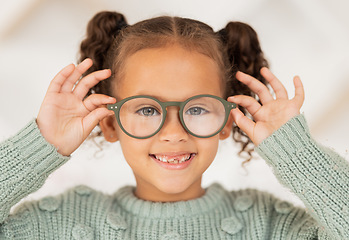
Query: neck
x=149 y=192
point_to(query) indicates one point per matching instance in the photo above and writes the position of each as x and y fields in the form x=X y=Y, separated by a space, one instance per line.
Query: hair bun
x=244 y=52
x=101 y=32
x=243 y=48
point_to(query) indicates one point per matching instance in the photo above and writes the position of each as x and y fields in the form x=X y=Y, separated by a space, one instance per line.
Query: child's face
x=169 y=74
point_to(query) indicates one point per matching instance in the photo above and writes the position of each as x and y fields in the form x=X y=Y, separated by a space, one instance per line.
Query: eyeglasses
x=142 y=117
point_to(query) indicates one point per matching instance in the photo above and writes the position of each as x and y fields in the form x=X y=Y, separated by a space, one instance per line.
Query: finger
x=89 y=81
x=256 y=86
x=93 y=118
x=278 y=87
x=97 y=100
x=75 y=76
x=243 y=122
x=58 y=80
x=299 y=91
x=251 y=104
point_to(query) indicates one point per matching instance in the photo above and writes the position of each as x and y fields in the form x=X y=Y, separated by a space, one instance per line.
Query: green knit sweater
x=315 y=174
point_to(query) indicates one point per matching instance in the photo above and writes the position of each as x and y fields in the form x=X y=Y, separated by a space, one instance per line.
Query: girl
x=164 y=82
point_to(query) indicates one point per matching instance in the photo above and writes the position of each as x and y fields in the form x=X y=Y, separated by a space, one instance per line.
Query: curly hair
x=110 y=41
x=242 y=46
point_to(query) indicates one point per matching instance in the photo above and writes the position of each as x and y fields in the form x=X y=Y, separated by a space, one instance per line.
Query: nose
x=172 y=130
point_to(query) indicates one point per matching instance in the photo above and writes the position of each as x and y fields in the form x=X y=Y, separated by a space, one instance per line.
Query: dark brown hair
x=242 y=46
x=110 y=41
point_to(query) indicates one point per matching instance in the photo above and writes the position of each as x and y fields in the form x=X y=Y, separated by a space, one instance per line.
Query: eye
x=148 y=111
x=196 y=111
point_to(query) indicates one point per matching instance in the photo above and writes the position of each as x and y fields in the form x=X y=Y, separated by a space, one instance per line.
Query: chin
x=176 y=188
x=172 y=185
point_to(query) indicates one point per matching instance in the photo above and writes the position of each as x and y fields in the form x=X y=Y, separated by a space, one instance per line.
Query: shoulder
x=64 y=211
x=244 y=199
x=262 y=211
x=72 y=197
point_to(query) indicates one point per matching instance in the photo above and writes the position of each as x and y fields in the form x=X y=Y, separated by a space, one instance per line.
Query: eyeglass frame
x=228 y=106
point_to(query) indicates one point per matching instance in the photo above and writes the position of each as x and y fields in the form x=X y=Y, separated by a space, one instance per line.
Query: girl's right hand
x=65 y=118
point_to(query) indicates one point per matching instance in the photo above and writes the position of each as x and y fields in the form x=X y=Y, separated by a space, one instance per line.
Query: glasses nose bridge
x=179 y=106
x=165 y=105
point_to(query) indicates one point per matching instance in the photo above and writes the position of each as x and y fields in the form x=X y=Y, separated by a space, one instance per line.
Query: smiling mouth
x=173 y=159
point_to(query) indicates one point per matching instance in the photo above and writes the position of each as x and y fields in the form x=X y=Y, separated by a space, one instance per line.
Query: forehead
x=169 y=73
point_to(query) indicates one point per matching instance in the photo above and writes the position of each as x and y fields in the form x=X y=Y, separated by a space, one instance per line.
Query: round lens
x=204 y=116
x=140 y=117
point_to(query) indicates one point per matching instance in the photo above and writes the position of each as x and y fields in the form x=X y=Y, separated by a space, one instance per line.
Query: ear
x=108 y=126
x=225 y=133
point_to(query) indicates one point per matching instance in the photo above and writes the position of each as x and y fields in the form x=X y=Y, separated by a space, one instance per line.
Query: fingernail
x=112 y=100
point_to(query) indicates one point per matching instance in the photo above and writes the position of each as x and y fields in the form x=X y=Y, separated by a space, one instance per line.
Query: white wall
x=308 y=38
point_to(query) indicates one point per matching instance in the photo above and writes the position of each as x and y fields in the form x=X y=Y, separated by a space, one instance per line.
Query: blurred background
x=306 y=38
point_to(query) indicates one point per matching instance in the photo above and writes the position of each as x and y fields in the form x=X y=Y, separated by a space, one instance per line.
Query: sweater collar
x=213 y=197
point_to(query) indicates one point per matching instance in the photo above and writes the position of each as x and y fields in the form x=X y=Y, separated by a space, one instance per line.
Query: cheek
x=208 y=147
x=133 y=155
x=135 y=151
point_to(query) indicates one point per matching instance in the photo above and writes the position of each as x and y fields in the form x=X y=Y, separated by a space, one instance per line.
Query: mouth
x=173 y=160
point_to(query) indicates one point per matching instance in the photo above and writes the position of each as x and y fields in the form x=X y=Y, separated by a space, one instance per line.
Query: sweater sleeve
x=26 y=160
x=317 y=175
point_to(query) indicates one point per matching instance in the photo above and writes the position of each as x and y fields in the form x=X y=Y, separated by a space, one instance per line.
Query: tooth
x=174 y=160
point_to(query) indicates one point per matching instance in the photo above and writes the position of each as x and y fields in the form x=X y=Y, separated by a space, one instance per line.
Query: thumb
x=243 y=122
x=93 y=118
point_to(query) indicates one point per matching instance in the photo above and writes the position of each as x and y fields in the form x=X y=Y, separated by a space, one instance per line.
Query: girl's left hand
x=272 y=113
